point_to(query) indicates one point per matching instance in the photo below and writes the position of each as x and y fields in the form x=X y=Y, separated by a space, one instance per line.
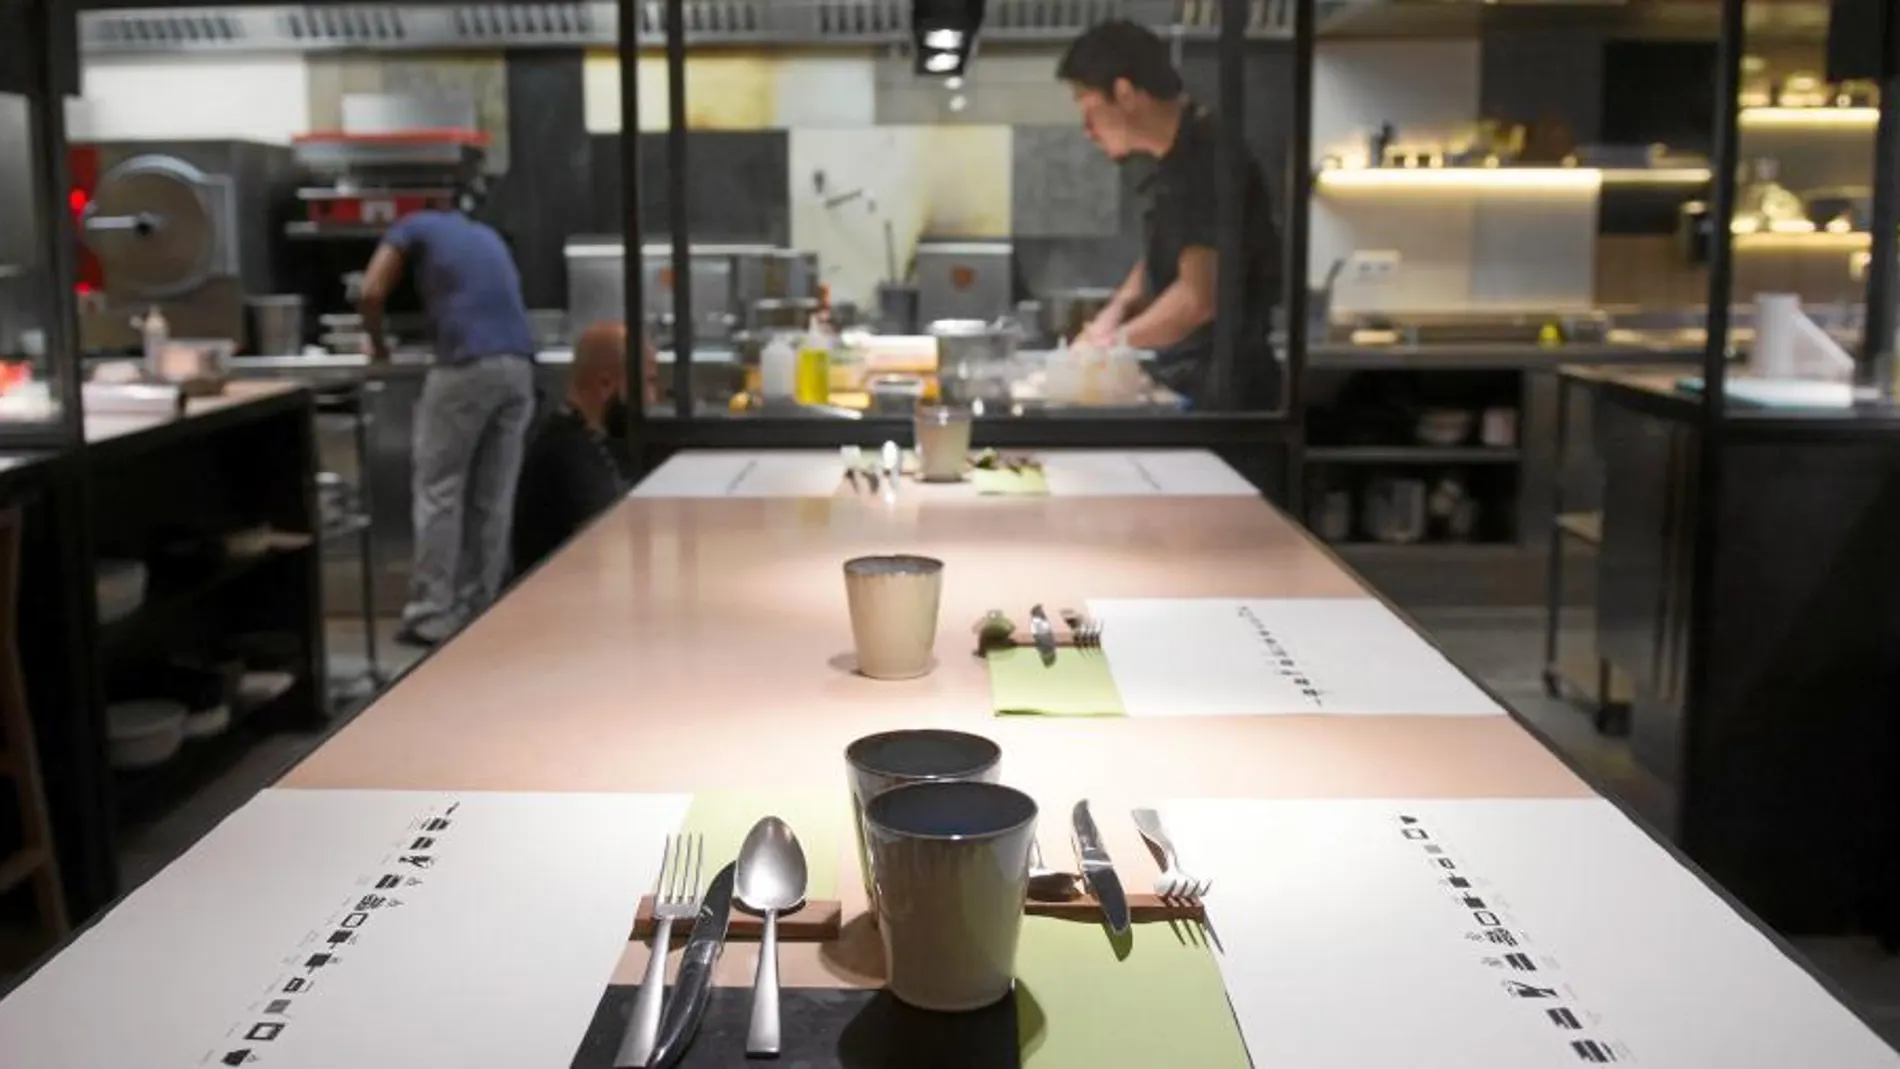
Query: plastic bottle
x=156 y=334
x=813 y=380
x=778 y=369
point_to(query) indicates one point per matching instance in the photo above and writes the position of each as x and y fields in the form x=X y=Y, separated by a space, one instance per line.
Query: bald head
x=598 y=376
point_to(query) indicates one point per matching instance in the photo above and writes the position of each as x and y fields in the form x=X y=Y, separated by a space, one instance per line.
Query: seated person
x=568 y=474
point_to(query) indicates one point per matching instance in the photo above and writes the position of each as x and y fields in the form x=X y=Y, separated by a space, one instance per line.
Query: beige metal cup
x=943 y=444
x=889 y=759
x=951 y=865
x=893 y=602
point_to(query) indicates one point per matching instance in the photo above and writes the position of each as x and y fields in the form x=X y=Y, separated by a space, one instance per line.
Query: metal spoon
x=892 y=459
x=770 y=879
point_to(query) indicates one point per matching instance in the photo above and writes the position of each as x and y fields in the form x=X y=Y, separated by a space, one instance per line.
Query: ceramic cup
x=878 y=763
x=951 y=866
x=893 y=602
x=943 y=444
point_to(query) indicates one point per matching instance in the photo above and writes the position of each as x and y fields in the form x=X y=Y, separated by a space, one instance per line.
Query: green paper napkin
x=1077 y=684
x=1164 y=1004
x=1029 y=482
x=820 y=819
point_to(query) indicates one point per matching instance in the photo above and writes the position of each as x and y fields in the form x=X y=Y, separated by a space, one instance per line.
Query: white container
x=778 y=369
x=204 y=723
x=144 y=733
x=119 y=589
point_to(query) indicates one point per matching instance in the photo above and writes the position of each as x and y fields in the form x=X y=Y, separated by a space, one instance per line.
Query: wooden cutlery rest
x=819 y=922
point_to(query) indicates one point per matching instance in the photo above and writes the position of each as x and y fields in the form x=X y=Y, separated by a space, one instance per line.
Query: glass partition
x=31 y=397
x=1033 y=223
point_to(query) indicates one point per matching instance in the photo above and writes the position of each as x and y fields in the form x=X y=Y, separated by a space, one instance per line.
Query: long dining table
x=1389 y=888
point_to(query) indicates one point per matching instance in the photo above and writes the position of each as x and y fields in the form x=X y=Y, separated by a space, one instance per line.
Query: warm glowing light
x=1656 y=176
x=1812 y=117
x=948 y=40
x=940 y=62
x=1777 y=226
x=1794 y=242
x=77 y=200
x=1470 y=179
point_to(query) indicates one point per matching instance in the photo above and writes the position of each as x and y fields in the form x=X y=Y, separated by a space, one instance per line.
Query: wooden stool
x=19 y=760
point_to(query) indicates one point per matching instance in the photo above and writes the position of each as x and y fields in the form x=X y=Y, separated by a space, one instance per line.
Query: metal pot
x=1066 y=312
x=975 y=360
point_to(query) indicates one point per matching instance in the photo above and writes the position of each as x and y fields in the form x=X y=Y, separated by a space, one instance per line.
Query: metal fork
x=675 y=898
x=1085 y=630
x=1174 y=881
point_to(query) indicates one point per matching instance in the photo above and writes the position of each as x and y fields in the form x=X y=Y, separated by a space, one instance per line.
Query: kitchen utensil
x=1498 y=427
x=1394 y=509
x=943 y=443
x=1098 y=872
x=950 y=862
x=277 y=324
x=893 y=604
x=1045 y=883
x=144 y=733
x=770 y=879
x=1174 y=881
x=877 y=763
x=894 y=394
x=693 y=987
x=1085 y=630
x=208 y=721
x=1044 y=635
x=675 y=898
x=890 y=461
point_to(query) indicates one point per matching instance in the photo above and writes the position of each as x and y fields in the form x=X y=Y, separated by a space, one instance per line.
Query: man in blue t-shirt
x=473 y=417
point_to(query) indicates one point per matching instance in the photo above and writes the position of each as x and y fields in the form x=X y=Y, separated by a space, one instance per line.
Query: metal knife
x=1098 y=872
x=1043 y=634
x=694 y=987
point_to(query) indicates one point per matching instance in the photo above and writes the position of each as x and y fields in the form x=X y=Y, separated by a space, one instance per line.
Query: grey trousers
x=471 y=426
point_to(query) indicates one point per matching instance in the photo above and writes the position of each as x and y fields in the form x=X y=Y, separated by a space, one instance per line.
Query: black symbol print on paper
x=1447 y=863
x=1415 y=833
x=1520 y=989
x=411 y=882
x=1487 y=918
x=370 y=902
x=421 y=861
x=1434 y=848
x=1500 y=936
x=1473 y=902
x=355 y=920
x=1520 y=962
x=1563 y=1018
x=277 y=1005
x=264 y=1031
x=236 y=1057
x=437 y=824
x=387 y=882
x=1403 y=819
x=340 y=936
x=1593 y=1052
x=295 y=984
x=453 y=806
x=1458 y=882
x=423 y=842
x=318 y=961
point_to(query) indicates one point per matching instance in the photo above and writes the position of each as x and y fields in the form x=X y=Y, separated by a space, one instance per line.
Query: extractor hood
x=418 y=27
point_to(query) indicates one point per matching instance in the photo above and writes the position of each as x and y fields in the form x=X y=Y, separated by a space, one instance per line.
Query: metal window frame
x=650 y=437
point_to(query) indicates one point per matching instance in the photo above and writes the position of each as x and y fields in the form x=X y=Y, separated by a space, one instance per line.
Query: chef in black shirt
x=1133 y=104
x=569 y=474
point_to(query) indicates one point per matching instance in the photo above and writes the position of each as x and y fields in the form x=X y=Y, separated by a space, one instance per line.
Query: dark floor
x=1502 y=647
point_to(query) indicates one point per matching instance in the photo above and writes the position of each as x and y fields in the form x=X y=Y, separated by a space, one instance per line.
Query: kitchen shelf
x=146 y=793
x=1410 y=454
x=1459 y=550
x=304 y=229
x=168 y=598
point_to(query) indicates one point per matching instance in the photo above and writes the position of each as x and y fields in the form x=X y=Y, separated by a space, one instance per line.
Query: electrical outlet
x=1374 y=265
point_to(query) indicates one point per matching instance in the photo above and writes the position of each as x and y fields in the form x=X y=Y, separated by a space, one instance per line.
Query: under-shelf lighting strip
x=1810 y=118
x=1506 y=179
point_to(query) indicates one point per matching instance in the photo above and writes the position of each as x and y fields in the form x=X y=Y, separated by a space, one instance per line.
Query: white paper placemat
x=1492 y=935
x=358 y=928
x=1263 y=656
x=764 y=473
x=1142 y=473
x=1071 y=473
